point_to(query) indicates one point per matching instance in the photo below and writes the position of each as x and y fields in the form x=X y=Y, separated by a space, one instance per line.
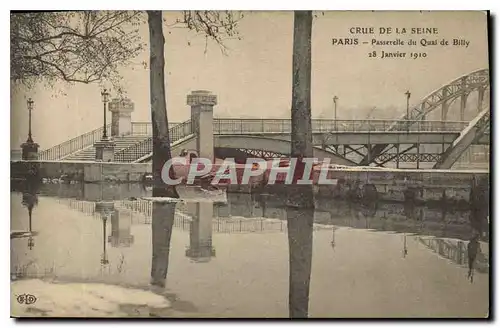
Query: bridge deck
x=264 y=134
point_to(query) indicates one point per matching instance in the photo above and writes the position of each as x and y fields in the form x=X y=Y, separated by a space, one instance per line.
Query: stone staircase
x=88 y=154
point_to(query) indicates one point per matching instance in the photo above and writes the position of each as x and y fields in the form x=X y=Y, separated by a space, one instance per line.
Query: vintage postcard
x=255 y=164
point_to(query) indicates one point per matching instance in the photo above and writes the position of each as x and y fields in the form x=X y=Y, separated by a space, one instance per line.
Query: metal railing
x=73 y=145
x=245 y=126
x=223 y=225
x=87 y=139
x=86 y=207
x=142 y=148
x=145 y=128
x=145 y=208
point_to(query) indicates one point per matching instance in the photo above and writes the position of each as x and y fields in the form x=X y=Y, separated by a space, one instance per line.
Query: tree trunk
x=159 y=120
x=301 y=145
x=301 y=92
x=300 y=243
x=300 y=198
x=162 y=223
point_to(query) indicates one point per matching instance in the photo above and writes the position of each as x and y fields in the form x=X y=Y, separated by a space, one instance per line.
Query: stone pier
x=29 y=151
x=202 y=111
x=121 y=117
x=105 y=150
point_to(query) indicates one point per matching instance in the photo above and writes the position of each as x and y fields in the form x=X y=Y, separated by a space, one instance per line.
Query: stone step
x=121 y=143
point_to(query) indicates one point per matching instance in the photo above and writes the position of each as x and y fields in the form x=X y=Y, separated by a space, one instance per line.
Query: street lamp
x=104 y=257
x=105 y=99
x=30 y=199
x=408 y=95
x=335 y=98
x=30 y=108
x=405 y=249
x=332 y=243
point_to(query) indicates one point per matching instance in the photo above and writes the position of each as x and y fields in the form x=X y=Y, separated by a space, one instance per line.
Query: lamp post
x=335 y=98
x=31 y=243
x=30 y=103
x=405 y=249
x=104 y=257
x=105 y=99
x=29 y=148
x=408 y=95
x=30 y=199
x=332 y=243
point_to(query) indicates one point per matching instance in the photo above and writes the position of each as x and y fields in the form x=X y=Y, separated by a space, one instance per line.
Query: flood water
x=214 y=259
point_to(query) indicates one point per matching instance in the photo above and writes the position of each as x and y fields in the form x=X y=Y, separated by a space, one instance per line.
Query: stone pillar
x=29 y=151
x=120 y=230
x=121 y=116
x=105 y=150
x=200 y=235
x=202 y=105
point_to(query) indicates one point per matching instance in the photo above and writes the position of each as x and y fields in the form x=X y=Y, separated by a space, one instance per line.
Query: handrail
x=70 y=146
x=145 y=146
x=243 y=126
x=87 y=139
x=145 y=128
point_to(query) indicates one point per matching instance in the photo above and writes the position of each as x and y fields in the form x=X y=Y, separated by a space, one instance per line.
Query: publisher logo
x=26 y=299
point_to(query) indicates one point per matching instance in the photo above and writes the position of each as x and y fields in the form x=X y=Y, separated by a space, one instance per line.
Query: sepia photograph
x=250 y=164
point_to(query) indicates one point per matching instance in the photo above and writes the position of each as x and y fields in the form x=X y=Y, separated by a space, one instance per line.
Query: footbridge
x=411 y=138
x=441 y=101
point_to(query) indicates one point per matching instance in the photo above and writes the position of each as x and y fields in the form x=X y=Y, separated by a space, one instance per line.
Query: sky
x=254 y=78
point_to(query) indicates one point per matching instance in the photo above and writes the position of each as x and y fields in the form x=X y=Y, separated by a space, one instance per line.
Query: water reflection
x=200 y=232
x=121 y=224
x=162 y=243
x=29 y=201
x=334 y=228
x=472 y=252
x=300 y=219
x=163 y=214
x=104 y=210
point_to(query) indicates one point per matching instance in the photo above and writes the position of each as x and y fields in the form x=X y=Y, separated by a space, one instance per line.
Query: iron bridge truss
x=441 y=98
x=404 y=154
x=265 y=154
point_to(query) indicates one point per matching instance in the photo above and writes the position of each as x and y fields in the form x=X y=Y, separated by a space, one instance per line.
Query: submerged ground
x=232 y=260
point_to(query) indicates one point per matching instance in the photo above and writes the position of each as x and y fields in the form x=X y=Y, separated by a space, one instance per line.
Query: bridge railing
x=145 y=128
x=427 y=126
x=140 y=149
x=244 y=126
x=68 y=147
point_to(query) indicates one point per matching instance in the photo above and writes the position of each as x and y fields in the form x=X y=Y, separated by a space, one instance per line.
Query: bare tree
x=82 y=47
x=214 y=25
x=217 y=26
x=90 y=46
